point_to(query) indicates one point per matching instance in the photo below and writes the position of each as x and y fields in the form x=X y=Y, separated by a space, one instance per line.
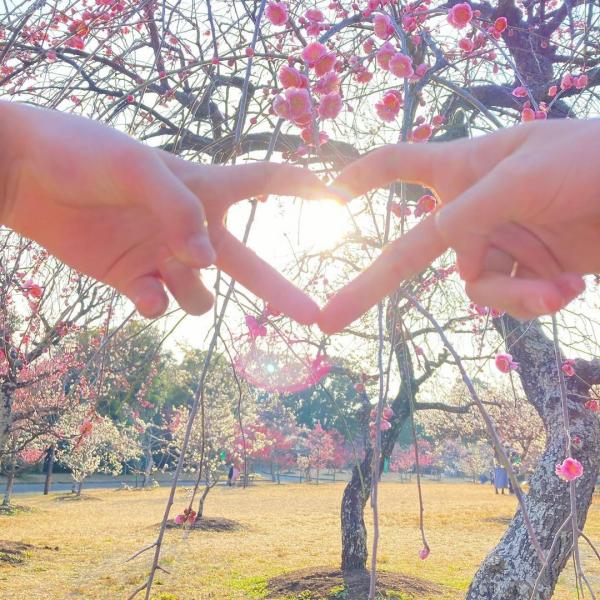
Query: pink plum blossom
x=384 y=54
x=330 y=106
x=324 y=64
x=567 y=81
x=424 y=552
x=581 y=81
x=290 y=77
x=570 y=469
x=425 y=204
x=389 y=107
x=460 y=15
x=527 y=114
x=422 y=133
x=505 y=363
x=520 y=92
x=568 y=367
x=401 y=65
x=466 y=44
x=255 y=327
x=500 y=24
x=277 y=13
x=382 y=25
x=294 y=104
x=313 y=53
x=329 y=83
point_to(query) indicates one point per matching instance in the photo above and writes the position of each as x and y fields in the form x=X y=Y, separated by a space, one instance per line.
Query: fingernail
x=570 y=284
x=201 y=251
x=149 y=305
x=537 y=305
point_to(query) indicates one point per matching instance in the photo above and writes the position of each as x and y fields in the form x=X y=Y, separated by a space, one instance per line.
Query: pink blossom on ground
x=401 y=65
x=313 y=53
x=277 y=13
x=505 y=363
x=568 y=367
x=570 y=469
x=330 y=106
x=424 y=552
x=460 y=15
x=384 y=54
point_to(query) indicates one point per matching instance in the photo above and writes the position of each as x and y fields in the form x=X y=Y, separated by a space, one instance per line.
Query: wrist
x=11 y=141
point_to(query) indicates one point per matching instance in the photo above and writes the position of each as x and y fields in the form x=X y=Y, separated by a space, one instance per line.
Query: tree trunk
x=509 y=572
x=6 y=391
x=354 y=531
x=358 y=489
x=10 y=480
x=148 y=464
x=78 y=489
x=49 y=469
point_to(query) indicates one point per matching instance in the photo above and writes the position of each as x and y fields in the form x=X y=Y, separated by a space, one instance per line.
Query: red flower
x=460 y=15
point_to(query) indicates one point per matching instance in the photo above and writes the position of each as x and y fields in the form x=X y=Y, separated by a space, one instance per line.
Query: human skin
x=135 y=217
x=520 y=207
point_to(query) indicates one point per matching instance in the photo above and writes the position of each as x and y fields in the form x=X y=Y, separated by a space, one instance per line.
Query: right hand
x=520 y=207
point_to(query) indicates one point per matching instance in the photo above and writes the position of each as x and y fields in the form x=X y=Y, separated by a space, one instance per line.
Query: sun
x=322 y=224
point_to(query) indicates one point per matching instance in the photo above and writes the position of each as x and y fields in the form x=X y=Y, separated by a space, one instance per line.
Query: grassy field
x=286 y=527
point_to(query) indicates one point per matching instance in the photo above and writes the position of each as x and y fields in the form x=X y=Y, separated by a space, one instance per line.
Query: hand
x=520 y=207
x=130 y=215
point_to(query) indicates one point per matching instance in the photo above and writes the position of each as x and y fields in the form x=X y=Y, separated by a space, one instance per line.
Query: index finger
x=239 y=182
x=243 y=265
x=414 y=163
x=400 y=260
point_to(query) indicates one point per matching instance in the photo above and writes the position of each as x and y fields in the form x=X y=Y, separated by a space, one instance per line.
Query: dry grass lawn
x=286 y=527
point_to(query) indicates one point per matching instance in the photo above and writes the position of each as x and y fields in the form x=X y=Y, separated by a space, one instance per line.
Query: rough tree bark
x=354 y=500
x=358 y=489
x=10 y=480
x=509 y=572
x=49 y=468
